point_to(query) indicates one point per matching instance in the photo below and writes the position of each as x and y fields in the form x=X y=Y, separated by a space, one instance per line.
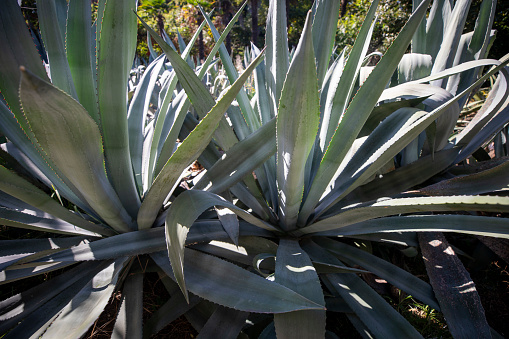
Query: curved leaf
x=181 y=216
x=295 y=270
x=71 y=139
x=242 y=290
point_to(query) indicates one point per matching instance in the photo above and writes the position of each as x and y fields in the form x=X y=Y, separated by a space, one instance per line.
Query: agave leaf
x=137 y=115
x=402 y=178
x=495 y=101
x=192 y=146
x=383 y=110
x=487 y=226
x=326 y=14
x=393 y=274
x=180 y=218
x=21 y=189
x=35 y=219
x=389 y=207
x=296 y=126
x=387 y=140
x=129 y=318
x=8 y=276
x=342 y=81
x=82 y=311
x=474 y=46
x=166 y=145
x=78 y=42
x=419 y=38
x=243 y=291
x=377 y=315
x=116 y=48
x=21 y=51
x=127 y=244
x=277 y=60
x=18 y=252
x=248 y=113
x=295 y=270
x=71 y=139
x=168 y=120
x=409 y=133
x=436 y=25
x=170 y=311
x=487 y=181
x=37 y=305
x=240 y=160
x=54 y=38
x=358 y=112
x=224 y=323
x=453 y=287
x=414 y=66
x=452 y=35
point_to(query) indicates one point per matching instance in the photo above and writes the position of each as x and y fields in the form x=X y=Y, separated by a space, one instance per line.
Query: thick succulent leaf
x=387 y=140
x=455 y=290
x=193 y=145
x=82 y=311
x=173 y=123
x=243 y=291
x=342 y=82
x=296 y=127
x=452 y=35
x=116 y=48
x=408 y=205
x=277 y=61
x=224 y=323
x=24 y=251
x=436 y=25
x=181 y=217
x=21 y=189
x=78 y=42
x=71 y=139
x=381 y=319
x=384 y=269
x=38 y=305
x=19 y=306
x=358 y=112
x=295 y=270
x=146 y=241
x=170 y=311
x=414 y=66
x=469 y=224
x=21 y=51
x=137 y=115
x=496 y=100
x=129 y=319
x=126 y=244
x=401 y=139
x=35 y=219
x=30 y=246
x=402 y=178
x=474 y=46
x=54 y=42
x=8 y=276
x=240 y=160
x=491 y=180
x=248 y=113
x=383 y=110
x=325 y=22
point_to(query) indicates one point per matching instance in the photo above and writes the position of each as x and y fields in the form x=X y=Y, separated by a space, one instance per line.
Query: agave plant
x=88 y=168
x=298 y=206
x=352 y=167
